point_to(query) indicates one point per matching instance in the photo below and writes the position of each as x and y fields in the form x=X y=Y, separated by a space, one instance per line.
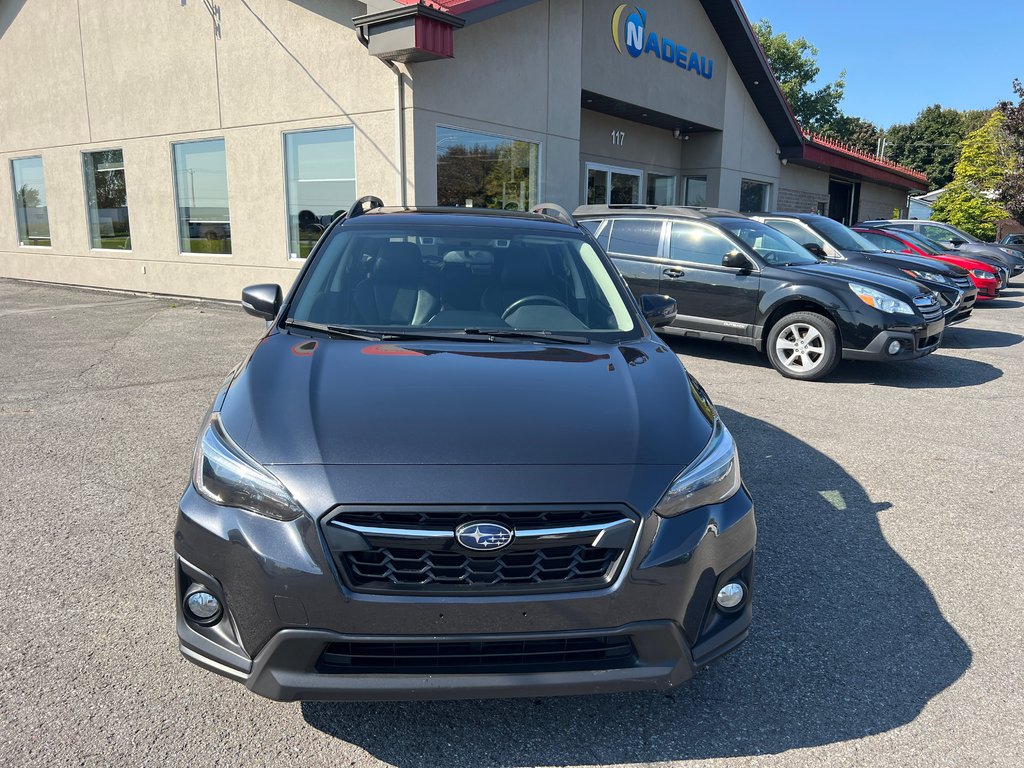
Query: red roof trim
x=845 y=150
x=462 y=6
x=816 y=156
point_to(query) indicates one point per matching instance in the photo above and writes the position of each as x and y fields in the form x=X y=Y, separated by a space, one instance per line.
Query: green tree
x=794 y=63
x=858 y=133
x=931 y=143
x=28 y=197
x=969 y=201
x=1011 y=192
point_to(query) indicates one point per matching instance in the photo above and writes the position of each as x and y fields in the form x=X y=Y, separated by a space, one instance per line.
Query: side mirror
x=735 y=260
x=956 y=242
x=262 y=300
x=816 y=249
x=658 y=310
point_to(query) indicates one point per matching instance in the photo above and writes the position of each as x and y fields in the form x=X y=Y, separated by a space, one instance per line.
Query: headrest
x=524 y=267
x=398 y=263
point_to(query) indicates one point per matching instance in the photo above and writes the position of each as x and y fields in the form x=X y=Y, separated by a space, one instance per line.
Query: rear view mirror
x=658 y=310
x=816 y=249
x=735 y=260
x=262 y=300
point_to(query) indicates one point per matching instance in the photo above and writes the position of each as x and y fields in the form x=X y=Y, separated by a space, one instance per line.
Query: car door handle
x=673 y=273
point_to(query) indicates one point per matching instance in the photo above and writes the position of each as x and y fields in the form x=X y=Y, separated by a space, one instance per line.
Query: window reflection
x=106 y=196
x=201 y=187
x=320 y=168
x=30 y=201
x=477 y=170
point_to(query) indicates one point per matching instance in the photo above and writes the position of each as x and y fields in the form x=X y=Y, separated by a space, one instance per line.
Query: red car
x=984 y=274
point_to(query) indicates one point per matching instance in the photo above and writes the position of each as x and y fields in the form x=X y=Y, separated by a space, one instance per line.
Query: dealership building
x=190 y=147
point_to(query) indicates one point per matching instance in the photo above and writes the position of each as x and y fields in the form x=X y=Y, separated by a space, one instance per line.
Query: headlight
x=879 y=300
x=981 y=274
x=713 y=476
x=1008 y=251
x=933 y=277
x=224 y=474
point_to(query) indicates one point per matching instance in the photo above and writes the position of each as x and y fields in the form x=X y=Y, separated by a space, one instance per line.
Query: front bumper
x=285 y=607
x=914 y=343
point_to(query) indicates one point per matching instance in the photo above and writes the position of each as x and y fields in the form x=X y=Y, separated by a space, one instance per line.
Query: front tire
x=804 y=345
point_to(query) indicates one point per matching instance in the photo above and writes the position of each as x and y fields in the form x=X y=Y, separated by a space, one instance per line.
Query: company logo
x=630 y=33
x=483 y=537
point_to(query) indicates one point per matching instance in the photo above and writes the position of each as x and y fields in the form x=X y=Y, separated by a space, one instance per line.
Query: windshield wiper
x=512 y=333
x=336 y=330
x=367 y=334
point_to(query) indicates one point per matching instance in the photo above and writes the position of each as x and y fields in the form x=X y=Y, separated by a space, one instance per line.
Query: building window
x=661 y=190
x=201 y=189
x=30 y=201
x=107 y=199
x=320 y=169
x=477 y=170
x=696 y=192
x=754 y=196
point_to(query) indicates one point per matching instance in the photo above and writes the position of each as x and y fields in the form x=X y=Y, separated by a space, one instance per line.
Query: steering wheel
x=537 y=298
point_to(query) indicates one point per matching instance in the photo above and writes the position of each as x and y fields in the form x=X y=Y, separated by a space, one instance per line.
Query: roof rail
x=559 y=212
x=364 y=205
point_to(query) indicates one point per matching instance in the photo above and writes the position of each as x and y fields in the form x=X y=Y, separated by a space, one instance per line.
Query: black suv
x=736 y=279
x=828 y=238
x=460 y=464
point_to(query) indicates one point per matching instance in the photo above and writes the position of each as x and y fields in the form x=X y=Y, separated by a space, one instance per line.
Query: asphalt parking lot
x=888 y=612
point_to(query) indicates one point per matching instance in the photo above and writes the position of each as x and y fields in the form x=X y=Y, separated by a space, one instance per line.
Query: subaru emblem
x=483 y=537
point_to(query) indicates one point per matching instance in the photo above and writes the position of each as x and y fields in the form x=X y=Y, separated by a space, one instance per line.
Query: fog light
x=894 y=347
x=731 y=595
x=202 y=606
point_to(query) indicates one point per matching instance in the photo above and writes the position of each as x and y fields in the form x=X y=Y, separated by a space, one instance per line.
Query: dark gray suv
x=458 y=464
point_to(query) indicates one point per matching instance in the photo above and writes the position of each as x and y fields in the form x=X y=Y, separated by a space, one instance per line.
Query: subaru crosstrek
x=460 y=463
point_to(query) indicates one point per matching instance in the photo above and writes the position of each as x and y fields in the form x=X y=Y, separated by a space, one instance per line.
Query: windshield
x=843 y=238
x=775 y=248
x=928 y=246
x=435 y=278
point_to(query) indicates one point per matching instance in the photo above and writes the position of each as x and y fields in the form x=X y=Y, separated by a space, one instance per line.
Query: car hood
x=900 y=261
x=991 y=252
x=893 y=282
x=299 y=400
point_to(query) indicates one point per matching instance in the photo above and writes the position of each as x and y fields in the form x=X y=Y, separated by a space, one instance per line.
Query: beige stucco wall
x=142 y=76
x=166 y=77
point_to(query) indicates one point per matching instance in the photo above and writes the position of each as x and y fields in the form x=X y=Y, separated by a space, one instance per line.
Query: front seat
x=395 y=293
x=525 y=272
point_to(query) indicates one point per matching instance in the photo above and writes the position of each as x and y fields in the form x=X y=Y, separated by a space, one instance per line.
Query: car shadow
x=931 y=372
x=999 y=303
x=848 y=642
x=963 y=337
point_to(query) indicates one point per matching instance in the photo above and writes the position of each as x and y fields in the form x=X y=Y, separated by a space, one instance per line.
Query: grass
x=202 y=245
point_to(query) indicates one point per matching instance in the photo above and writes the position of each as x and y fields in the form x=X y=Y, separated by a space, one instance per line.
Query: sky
x=901 y=56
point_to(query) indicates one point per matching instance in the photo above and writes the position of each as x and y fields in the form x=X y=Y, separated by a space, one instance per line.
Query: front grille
x=415 y=550
x=928 y=307
x=414 y=567
x=963 y=283
x=478 y=656
x=440 y=518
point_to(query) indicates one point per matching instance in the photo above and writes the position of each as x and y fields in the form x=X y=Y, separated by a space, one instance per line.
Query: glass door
x=610 y=185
